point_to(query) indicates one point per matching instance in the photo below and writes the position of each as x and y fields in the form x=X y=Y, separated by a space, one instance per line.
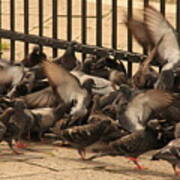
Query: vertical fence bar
x=163 y=7
x=146 y=3
x=114 y=24
x=84 y=23
x=99 y=22
x=12 y=27
x=163 y=12
x=54 y=23
x=26 y=25
x=130 y=9
x=69 y=20
x=41 y=19
x=178 y=19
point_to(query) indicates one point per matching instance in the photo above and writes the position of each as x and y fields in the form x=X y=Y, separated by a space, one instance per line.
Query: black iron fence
x=97 y=47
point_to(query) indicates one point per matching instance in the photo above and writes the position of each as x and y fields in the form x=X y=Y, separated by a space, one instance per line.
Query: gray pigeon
x=67 y=87
x=133 y=115
x=171 y=152
x=150 y=32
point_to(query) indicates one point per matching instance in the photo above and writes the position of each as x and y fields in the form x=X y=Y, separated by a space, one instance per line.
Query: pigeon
x=117 y=78
x=23 y=119
x=46 y=98
x=42 y=98
x=80 y=137
x=146 y=76
x=151 y=30
x=46 y=118
x=171 y=113
x=134 y=144
x=88 y=64
x=171 y=152
x=169 y=48
x=15 y=76
x=133 y=115
x=139 y=31
x=34 y=58
x=67 y=87
x=96 y=114
x=8 y=130
x=68 y=60
x=102 y=87
x=108 y=62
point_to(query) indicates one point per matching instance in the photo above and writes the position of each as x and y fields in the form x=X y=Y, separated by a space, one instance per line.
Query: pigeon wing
x=42 y=98
x=64 y=84
x=138 y=29
x=157 y=27
x=142 y=105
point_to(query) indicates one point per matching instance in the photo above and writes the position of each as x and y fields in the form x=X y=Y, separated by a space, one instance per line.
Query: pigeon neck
x=69 y=53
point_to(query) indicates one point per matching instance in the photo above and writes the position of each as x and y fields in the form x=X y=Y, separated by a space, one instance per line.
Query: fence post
x=163 y=7
x=41 y=19
x=130 y=9
x=114 y=24
x=99 y=22
x=84 y=23
x=26 y=25
x=54 y=23
x=69 y=20
x=12 y=27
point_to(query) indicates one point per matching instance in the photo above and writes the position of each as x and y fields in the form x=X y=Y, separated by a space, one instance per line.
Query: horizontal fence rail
x=62 y=44
x=88 y=18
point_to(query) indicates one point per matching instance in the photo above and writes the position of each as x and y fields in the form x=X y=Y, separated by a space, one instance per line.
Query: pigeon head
x=88 y=84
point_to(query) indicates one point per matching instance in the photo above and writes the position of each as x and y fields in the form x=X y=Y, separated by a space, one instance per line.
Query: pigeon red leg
x=176 y=172
x=21 y=145
x=135 y=161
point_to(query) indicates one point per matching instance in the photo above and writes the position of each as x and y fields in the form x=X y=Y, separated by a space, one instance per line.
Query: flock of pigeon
x=93 y=105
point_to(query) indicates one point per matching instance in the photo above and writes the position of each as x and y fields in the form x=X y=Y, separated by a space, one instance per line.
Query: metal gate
x=67 y=12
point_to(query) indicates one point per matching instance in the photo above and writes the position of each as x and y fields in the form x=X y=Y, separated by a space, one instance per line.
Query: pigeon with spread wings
x=154 y=27
x=42 y=98
x=168 y=50
x=67 y=87
x=140 y=107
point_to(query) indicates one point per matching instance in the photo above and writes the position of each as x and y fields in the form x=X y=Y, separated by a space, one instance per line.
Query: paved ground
x=51 y=163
